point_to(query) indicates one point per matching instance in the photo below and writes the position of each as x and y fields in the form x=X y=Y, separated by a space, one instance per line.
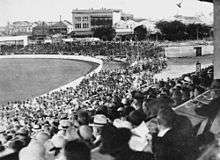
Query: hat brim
x=97 y=125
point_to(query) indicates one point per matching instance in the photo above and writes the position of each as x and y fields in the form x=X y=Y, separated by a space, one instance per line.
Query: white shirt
x=140 y=138
x=162 y=132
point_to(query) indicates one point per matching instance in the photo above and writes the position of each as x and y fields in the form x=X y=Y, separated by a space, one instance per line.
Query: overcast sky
x=49 y=10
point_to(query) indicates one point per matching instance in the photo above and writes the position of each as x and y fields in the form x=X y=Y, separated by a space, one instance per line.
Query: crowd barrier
x=187 y=51
x=66 y=57
x=188 y=108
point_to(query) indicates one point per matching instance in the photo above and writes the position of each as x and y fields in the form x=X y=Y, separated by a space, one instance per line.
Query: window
x=78 y=25
x=78 y=19
x=85 y=18
x=85 y=25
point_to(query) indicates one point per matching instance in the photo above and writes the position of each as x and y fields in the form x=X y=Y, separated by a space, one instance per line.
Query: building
x=14 y=40
x=69 y=26
x=84 y=21
x=58 y=28
x=40 y=31
x=20 y=28
x=2 y=31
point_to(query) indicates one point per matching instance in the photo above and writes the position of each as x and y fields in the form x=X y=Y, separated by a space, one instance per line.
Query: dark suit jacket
x=172 y=146
x=12 y=156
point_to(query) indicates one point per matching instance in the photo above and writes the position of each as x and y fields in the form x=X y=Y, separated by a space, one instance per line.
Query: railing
x=188 y=108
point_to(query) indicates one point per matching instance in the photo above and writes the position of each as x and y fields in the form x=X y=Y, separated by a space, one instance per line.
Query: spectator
x=115 y=143
x=139 y=140
x=86 y=135
x=34 y=151
x=99 y=121
x=169 y=143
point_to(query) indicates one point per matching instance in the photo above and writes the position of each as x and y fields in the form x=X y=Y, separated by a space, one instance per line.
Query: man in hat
x=99 y=121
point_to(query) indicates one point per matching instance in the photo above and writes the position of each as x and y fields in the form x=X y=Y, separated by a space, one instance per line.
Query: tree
x=176 y=30
x=140 y=32
x=173 y=31
x=198 y=31
x=104 y=33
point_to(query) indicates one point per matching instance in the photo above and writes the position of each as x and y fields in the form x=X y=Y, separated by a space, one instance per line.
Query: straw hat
x=99 y=120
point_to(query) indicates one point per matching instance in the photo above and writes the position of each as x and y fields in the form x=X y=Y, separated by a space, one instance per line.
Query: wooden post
x=216 y=39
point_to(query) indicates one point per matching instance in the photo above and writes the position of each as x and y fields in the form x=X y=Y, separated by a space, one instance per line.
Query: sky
x=50 y=10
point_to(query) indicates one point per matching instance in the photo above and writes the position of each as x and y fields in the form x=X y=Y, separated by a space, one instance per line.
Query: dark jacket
x=128 y=154
x=12 y=156
x=172 y=146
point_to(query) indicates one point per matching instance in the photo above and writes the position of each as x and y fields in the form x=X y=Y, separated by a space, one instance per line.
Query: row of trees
x=176 y=30
x=172 y=31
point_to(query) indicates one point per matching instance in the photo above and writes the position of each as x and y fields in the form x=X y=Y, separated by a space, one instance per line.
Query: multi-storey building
x=85 y=20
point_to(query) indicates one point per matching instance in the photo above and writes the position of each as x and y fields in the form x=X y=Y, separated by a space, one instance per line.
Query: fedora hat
x=99 y=120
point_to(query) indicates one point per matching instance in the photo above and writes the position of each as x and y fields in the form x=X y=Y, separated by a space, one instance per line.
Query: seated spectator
x=83 y=118
x=85 y=134
x=139 y=140
x=168 y=142
x=56 y=150
x=34 y=151
x=115 y=144
x=16 y=146
x=152 y=107
x=99 y=122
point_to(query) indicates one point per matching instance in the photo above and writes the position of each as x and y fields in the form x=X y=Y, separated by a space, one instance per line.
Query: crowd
x=110 y=115
x=91 y=48
x=120 y=114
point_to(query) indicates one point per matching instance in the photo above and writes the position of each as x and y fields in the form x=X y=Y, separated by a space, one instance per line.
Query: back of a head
x=114 y=139
x=136 y=117
x=77 y=150
x=166 y=117
x=83 y=117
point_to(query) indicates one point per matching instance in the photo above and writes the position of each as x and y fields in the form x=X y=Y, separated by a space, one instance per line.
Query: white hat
x=99 y=120
x=36 y=127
